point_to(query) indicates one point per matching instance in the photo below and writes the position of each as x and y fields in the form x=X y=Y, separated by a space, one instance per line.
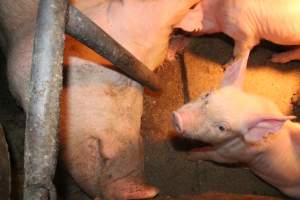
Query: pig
x=244 y=128
x=101 y=108
x=247 y=22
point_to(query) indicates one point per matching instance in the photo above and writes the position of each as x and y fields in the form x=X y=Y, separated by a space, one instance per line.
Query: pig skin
x=244 y=128
x=247 y=22
x=100 y=108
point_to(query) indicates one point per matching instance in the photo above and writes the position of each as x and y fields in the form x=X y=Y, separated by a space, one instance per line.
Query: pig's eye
x=206 y=94
x=222 y=126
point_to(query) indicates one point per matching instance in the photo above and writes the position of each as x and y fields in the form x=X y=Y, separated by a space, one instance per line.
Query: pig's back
x=277 y=21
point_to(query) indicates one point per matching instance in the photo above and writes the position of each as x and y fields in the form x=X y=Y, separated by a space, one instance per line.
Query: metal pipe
x=87 y=32
x=184 y=79
x=43 y=107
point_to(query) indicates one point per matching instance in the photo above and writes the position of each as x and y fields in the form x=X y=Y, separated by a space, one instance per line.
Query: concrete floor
x=165 y=162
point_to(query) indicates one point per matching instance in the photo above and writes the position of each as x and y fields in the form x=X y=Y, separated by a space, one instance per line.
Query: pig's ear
x=263 y=127
x=192 y=20
x=235 y=72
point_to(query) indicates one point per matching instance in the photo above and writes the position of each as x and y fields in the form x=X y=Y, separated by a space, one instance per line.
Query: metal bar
x=43 y=107
x=184 y=79
x=87 y=32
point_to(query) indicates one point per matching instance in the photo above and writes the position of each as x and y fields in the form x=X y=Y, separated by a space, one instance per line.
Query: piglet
x=247 y=22
x=244 y=128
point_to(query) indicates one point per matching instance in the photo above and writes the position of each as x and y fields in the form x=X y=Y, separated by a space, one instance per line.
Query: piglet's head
x=228 y=112
x=197 y=120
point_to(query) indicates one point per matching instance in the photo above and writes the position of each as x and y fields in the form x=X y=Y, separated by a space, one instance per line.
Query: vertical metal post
x=43 y=106
x=184 y=79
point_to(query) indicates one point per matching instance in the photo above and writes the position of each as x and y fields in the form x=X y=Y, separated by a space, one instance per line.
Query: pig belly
x=100 y=121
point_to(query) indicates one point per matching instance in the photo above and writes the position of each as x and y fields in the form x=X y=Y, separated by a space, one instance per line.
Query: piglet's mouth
x=187 y=144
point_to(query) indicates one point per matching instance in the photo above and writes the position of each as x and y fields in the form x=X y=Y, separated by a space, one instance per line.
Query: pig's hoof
x=197 y=29
x=131 y=191
x=141 y=192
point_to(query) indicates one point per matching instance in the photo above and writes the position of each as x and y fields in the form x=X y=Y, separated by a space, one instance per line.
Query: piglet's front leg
x=241 y=51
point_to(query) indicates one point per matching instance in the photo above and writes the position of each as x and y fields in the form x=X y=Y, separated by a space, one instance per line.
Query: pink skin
x=247 y=22
x=154 y=34
x=101 y=109
x=244 y=128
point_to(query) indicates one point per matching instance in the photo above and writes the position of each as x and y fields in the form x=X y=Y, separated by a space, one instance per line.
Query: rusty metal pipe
x=42 y=116
x=87 y=32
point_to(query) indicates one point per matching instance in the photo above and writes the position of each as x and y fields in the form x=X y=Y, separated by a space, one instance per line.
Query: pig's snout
x=180 y=120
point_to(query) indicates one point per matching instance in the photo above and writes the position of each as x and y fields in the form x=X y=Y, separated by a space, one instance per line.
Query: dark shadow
x=295 y=101
x=185 y=144
x=12 y=119
x=8 y=104
x=219 y=48
x=67 y=188
x=218 y=43
x=257 y=58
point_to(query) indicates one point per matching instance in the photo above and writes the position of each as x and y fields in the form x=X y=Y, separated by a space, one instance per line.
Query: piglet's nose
x=178 y=122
